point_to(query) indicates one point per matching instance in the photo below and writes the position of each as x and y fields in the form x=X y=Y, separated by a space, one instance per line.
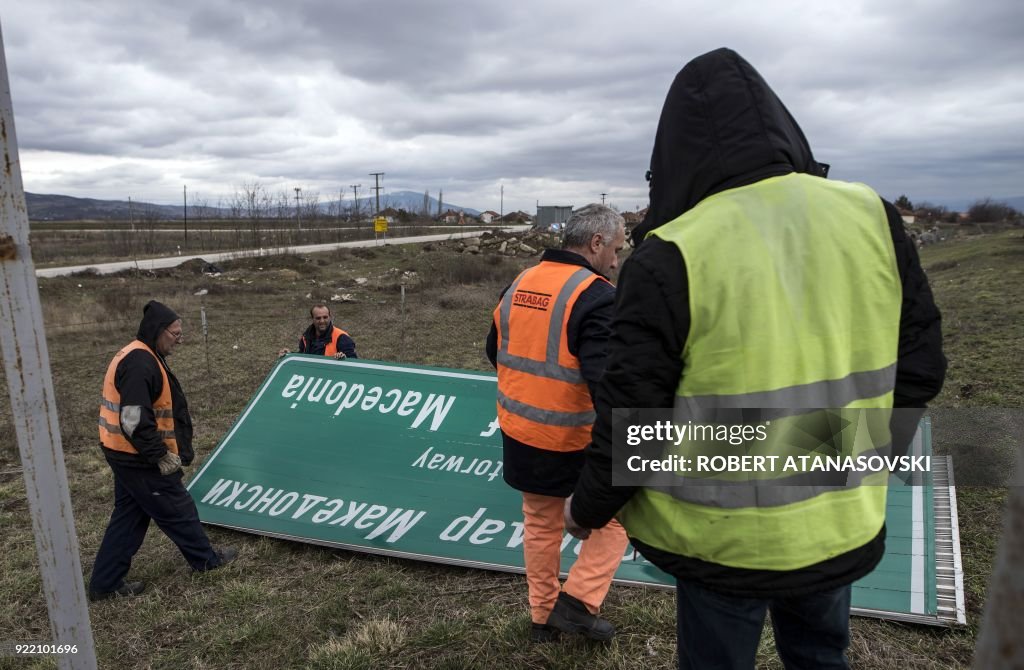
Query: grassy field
x=289 y=605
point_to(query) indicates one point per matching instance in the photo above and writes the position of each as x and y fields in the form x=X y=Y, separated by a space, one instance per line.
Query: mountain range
x=47 y=207
x=43 y=207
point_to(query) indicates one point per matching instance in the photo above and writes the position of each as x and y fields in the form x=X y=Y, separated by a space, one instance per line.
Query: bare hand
x=340 y=355
x=282 y=352
x=571 y=526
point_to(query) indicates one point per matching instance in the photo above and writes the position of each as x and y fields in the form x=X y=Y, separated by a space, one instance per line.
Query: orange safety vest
x=332 y=347
x=543 y=400
x=111 y=436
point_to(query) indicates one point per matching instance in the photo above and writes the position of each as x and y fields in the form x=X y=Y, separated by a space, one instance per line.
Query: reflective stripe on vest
x=543 y=400
x=795 y=305
x=109 y=423
x=863 y=434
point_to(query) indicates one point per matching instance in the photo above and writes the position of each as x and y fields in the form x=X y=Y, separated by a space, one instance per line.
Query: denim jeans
x=719 y=631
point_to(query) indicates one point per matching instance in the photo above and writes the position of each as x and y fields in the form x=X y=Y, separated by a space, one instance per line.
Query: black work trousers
x=141 y=494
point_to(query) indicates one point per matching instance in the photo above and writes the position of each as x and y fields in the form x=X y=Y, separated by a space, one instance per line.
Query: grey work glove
x=169 y=463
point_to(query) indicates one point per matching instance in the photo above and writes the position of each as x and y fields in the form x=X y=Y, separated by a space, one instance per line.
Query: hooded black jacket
x=140 y=383
x=723 y=127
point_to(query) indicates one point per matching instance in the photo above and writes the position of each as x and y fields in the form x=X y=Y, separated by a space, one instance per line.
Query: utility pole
x=377 y=187
x=298 y=216
x=501 y=214
x=184 y=209
x=355 y=195
x=26 y=364
x=602 y=197
x=341 y=196
x=131 y=219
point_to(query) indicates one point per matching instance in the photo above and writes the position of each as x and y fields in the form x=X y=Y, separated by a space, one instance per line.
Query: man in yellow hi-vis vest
x=146 y=436
x=548 y=341
x=760 y=286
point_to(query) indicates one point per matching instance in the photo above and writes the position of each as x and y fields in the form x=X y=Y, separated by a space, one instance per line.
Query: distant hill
x=48 y=207
x=43 y=207
x=410 y=201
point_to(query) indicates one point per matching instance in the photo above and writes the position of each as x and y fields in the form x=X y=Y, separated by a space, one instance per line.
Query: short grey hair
x=590 y=220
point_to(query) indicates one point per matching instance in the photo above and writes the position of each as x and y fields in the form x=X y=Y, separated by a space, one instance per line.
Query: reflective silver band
x=540 y=368
x=110 y=428
x=548 y=417
x=834 y=393
x=548 y=368
x=766 y=492
x=114 y=407
x=116 y=430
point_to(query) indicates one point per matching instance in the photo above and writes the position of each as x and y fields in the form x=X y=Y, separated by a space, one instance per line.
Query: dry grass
x=289 y=605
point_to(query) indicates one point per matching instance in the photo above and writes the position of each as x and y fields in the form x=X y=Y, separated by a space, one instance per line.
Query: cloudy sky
x=555 y=100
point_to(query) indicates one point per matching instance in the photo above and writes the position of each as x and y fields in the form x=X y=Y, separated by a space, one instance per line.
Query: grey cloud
x=550 y=95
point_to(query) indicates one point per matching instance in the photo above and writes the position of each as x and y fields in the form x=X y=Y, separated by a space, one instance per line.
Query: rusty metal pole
x=27 y=366
x=999 y=644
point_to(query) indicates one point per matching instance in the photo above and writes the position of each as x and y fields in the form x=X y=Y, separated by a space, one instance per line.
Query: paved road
x=173 y=261
x=201 y=229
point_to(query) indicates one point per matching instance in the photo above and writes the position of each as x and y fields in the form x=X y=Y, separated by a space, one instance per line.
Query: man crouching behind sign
x=548 y=342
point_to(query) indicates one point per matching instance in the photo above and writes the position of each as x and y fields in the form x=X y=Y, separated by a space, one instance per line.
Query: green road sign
x=406 y=461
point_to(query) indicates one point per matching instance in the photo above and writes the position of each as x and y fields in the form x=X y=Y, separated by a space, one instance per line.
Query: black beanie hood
x=722 y=126
x=155 y=317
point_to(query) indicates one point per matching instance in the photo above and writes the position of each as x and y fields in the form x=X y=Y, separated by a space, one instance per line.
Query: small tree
x=926 y=211
x=990 y=211
x=311 y=206
x=903 y=202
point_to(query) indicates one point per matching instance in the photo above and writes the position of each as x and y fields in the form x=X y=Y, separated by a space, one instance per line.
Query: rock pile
x=530 y=243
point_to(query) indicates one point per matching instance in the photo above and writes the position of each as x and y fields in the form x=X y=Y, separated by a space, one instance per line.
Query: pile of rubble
x=529 y=243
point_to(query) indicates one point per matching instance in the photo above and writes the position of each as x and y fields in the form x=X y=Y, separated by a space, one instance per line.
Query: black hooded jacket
x=140 y=383
x=723 y=127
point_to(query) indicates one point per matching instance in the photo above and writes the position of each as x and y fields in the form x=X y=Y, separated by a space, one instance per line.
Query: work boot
x=541 y=632
x=126 y=589
x=570 y=615
x=224 y=556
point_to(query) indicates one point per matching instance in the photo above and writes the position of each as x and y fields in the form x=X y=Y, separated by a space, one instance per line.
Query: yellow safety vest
x=795 y=304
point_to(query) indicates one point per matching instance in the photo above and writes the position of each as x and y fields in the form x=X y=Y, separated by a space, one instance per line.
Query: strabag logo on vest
x=531 y=300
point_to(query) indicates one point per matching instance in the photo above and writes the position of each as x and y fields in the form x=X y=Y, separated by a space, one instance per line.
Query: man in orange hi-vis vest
x=548 y=342
x=146 y=436
x=323 y=337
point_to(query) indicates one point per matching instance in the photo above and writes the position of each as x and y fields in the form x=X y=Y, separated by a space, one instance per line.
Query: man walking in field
x=548 y=341
x=146 y=436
